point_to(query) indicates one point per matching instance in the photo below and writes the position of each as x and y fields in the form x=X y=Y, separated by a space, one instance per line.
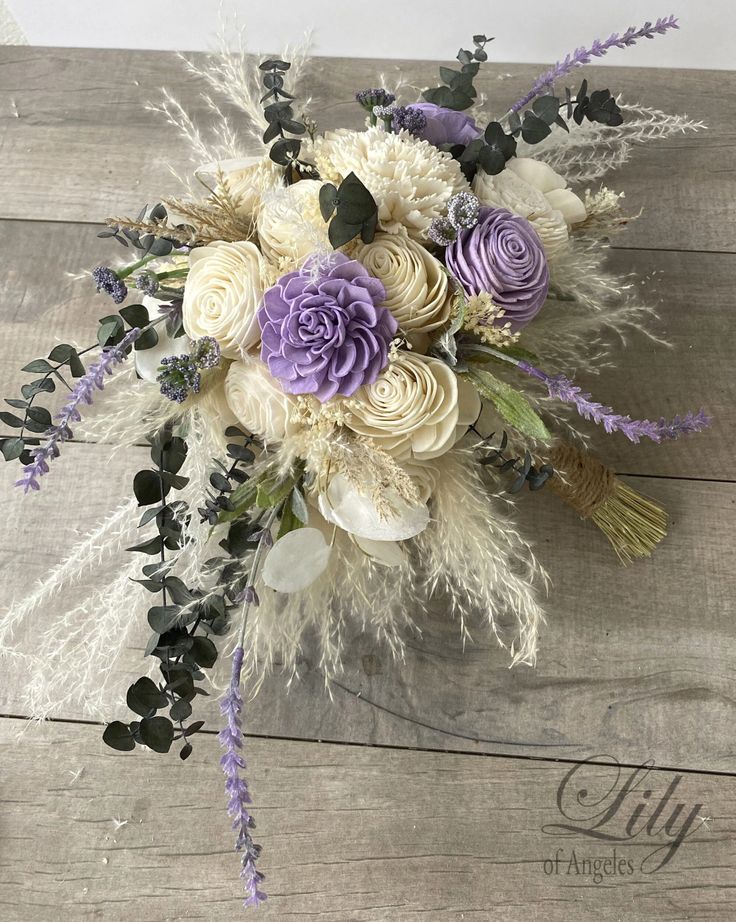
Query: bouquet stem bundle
x=632 y=523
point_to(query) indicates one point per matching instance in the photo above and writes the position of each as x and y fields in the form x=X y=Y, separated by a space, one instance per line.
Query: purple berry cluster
x=108 y=282
x=181 y=375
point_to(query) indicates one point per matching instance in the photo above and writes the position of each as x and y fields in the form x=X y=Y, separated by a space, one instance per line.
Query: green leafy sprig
x=457 y=91
x=152 y=245
x=525 y=470
x=181 y=624
x=535 y=124
x=354 y=209
x=35 y=419
x=281 y=120
x=224 y=480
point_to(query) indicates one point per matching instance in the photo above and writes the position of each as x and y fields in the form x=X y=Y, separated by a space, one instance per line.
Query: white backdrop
x=527 y=30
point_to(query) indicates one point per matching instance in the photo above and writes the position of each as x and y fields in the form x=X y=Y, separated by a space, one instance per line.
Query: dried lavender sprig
x=583 y=55
x=562 y=388
x=82 y=392
x=236 y=787
x=231 y=736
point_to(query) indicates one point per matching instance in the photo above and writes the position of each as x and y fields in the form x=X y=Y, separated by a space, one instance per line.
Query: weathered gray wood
x=637 y=662
x=77 y=142
x=44 y=302
x=350 y=834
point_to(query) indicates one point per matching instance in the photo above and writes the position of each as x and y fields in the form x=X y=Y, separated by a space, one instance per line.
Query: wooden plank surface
x=76 y=140
x=610 y=678
x=350 y=834
x=636 y=662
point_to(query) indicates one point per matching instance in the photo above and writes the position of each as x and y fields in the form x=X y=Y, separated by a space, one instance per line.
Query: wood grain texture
x=350 y=834
x=647 y=673
x=636 y=663
x=77 y=142
x=47 y=302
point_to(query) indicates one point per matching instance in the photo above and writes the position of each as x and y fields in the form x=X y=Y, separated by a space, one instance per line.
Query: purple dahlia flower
x=445 y=126
x=323 y=329
x=504 y=256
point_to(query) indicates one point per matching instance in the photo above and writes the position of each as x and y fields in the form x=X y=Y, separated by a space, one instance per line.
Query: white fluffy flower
x=414 y=408
x=290 y=225
x=411 y=180
x=223 y=290
x=248 y=179
x=258 y=402
x=415 y=282
x=532 y=189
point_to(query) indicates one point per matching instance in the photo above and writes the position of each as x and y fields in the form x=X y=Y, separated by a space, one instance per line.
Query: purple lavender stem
x=236 y=787
x=82 y=392
x=583 y=55
x=562 y=388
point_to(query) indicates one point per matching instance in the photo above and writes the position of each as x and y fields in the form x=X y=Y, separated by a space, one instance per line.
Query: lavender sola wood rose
x=323 y=329
x=502 y=255
x=441 y=125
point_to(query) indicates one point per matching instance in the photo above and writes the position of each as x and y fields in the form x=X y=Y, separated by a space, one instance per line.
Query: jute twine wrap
x=581 y=480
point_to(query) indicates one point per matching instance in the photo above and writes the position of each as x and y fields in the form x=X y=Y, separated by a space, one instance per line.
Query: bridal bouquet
x=343 y=354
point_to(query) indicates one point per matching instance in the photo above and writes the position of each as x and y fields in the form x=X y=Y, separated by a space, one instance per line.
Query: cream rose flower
x=411 y=180
x=258 y=402
x=415 y=282
x=212 y=400
x=411 y=410
x=223 y=290
x=532 y=189
x=290 y=225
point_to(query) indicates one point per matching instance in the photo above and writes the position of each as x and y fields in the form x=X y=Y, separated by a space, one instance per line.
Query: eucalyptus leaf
x=12 y=448
x=157 y=733
x=162 y=618
x=10 y=419
x=204 y=652
x=135 y=315
x=61 y=353
x=144 y=697
x=38 y=366
x=118 y=736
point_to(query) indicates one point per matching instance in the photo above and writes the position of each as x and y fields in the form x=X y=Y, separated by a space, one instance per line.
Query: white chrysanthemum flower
x=411 y=180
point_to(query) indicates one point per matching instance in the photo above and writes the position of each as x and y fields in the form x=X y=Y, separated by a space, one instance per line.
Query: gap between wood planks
x=395 y=747
x=613 y=246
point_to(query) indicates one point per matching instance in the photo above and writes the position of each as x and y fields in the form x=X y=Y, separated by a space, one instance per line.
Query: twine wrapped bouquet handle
x=632 y=523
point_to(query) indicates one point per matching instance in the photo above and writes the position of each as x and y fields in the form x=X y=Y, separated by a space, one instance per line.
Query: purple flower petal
x=503 y=256
x=326 y=333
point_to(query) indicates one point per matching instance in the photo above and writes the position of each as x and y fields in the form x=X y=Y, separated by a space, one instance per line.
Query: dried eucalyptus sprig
x=181 y=624
x=526 y=471
x=281 y=120
x=458 y=91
